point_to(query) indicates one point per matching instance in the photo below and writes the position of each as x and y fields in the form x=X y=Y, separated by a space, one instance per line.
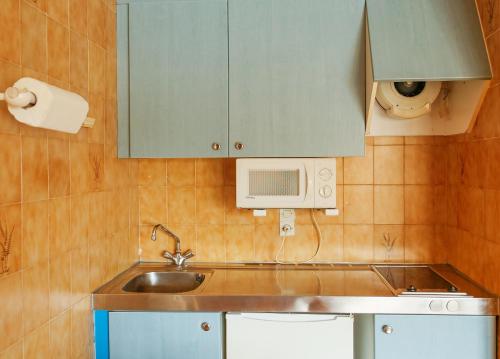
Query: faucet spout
x=170 y=233
x=178 y=257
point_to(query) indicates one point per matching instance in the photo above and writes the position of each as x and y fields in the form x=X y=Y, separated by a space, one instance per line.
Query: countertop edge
x=295 y=304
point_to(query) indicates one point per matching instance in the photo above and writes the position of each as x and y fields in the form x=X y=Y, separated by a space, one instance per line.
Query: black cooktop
x=415 y=280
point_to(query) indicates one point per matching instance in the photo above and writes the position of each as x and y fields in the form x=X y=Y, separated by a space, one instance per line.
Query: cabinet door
x=435 y=337
x=288 y=335
x=173 y=78
x=296 y=77
x=155 y=335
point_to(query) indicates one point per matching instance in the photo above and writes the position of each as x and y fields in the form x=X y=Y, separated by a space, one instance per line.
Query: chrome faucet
x=178 y=257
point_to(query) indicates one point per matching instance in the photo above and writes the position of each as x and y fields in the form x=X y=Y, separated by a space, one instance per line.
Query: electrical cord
x=318 y=247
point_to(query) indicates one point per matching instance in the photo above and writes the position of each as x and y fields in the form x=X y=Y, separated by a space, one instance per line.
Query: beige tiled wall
x=74 y=208
x=397 y=188
x=70 y=203
x=473 y=177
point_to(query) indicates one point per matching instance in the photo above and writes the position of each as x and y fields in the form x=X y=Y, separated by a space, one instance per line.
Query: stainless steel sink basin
x=165 y=282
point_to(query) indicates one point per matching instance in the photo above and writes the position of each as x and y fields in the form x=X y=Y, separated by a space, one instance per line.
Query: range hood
x=427 y=67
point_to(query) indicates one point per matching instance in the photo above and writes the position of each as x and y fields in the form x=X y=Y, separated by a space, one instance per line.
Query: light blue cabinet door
x=435 y=337
x=296 y=77
x=155 y=335
x=173 y=78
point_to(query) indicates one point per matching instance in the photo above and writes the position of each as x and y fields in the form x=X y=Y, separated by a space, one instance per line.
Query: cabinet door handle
x=215 y=146
x=387 y=329
x=238 y=145
x=205 y=326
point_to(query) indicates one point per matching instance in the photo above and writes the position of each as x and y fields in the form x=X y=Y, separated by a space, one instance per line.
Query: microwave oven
x=286 y=183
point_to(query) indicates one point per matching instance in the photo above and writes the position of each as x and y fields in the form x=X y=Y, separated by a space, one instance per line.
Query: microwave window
x=274 y=182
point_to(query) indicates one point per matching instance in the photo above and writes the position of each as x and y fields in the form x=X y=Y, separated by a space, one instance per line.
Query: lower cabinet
x=155 y=335
x=425 y=337
x=288 y=335
x=197 y=335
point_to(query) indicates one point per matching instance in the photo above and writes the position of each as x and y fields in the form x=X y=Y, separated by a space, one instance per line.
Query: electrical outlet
x=287 y=222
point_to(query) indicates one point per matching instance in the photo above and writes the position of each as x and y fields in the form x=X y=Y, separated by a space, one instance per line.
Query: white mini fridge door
x=289 y=336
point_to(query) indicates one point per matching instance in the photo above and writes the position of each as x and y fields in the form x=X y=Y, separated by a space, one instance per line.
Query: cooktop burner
x=417 y=280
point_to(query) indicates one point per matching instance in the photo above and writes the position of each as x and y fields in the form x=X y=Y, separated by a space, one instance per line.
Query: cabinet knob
x=238 y=146
x=387 y=329
x=205 y=326
x=215 y=146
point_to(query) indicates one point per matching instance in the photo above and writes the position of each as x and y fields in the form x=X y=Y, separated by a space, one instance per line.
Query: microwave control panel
x=325 y=195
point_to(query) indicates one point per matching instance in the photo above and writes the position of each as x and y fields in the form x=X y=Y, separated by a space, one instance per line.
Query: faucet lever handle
x=188 y=254
x=168 y=255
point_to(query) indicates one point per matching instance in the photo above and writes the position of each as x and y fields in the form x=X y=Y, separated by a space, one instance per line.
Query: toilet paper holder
x=24 y=98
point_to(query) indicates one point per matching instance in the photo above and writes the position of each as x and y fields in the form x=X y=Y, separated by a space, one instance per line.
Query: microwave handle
x=306 y=182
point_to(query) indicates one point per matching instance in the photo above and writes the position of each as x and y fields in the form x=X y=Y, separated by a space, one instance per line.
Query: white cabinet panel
x=290 y=336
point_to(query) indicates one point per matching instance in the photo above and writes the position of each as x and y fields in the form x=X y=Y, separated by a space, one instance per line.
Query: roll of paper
x=55 y=108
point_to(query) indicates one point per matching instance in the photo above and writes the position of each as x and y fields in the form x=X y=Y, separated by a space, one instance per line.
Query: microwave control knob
x=325 y=191
x=325 y=174
x=452 y=306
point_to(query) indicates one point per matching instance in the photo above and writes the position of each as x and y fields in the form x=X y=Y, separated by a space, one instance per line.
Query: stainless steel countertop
x=321 y=288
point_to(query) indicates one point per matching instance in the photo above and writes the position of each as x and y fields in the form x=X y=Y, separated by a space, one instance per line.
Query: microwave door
x=275 y=183
x=288 y=188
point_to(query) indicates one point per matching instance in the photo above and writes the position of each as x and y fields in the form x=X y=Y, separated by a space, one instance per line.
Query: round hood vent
x=409 y=99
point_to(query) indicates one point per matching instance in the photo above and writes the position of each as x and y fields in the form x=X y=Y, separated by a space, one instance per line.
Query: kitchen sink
x=165 y=282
